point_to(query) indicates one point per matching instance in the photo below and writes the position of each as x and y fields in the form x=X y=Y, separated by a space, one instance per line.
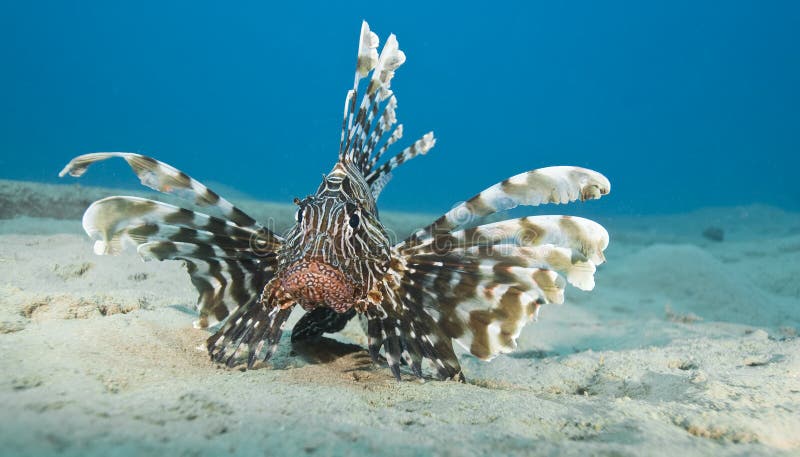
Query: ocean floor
x=687 y=346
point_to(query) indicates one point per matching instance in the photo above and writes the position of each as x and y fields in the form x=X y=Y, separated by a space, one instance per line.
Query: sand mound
x=690 y=279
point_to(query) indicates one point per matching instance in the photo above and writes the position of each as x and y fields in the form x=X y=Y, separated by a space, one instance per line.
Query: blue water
x=681 y=104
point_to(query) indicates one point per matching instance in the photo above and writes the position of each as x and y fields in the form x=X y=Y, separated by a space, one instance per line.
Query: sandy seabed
x=687 y=346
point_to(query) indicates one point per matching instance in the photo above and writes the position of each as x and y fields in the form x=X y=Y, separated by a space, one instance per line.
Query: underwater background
x=681 y=104
x=687 y=345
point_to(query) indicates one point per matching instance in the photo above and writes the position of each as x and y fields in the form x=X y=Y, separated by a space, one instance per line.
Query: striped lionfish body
x=454 y=280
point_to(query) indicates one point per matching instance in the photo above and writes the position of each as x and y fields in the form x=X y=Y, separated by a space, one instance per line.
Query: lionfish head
x=337 y=250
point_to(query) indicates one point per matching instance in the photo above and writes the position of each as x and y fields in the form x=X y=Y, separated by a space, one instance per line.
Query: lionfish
x=453 y=280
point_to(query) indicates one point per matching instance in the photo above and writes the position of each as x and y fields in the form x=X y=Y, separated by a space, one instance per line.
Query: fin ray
x=545 y=185
x=165 y=178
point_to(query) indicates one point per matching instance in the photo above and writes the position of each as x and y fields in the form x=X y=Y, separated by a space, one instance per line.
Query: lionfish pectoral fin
x=318 y=321
x=558 y=185
x=484 y=284
x=228 y=258
x=253 y=330
x=480 y=285
x=408 y=334
x=165 y=178
x=228 y=264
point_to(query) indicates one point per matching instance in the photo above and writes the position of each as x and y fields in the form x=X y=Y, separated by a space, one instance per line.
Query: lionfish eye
x=354 y=220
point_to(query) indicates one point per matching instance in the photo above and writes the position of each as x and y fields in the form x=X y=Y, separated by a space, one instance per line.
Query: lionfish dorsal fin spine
x=420 y=147
x=366 y=61
x=370 y=118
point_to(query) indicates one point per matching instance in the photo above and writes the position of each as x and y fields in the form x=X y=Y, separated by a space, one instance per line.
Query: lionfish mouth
x=314 y=283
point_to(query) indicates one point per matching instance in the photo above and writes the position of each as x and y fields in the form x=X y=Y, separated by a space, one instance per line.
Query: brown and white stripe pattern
x=257 y=328
x=420 y=147
x=456 y=280
x=545 y=185
x=337 y=226
x=116 y=222
x=586 y=237
x=228 y=258
x=483 y=284
x=324 y=229
x=490 y=281
x=361 y=132
x=165 y=178
x=410 y=334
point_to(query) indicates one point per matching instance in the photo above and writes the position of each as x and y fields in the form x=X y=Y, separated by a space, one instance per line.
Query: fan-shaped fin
x=482 y=285
x=228 y=264
x=118 y=221
x=584 y=236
